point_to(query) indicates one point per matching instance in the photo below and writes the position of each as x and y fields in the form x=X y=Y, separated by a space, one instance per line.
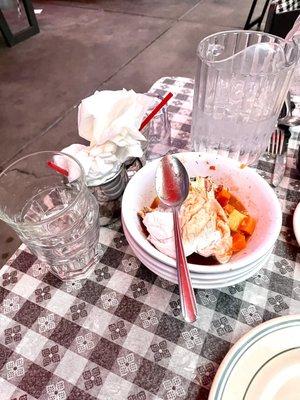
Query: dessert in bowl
x=244 y=184
x=201 y=280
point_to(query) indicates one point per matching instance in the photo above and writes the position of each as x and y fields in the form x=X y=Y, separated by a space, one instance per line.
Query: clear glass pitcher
x=241 y=82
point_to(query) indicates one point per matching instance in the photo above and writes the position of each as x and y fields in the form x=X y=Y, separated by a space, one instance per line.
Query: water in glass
x=57 y=218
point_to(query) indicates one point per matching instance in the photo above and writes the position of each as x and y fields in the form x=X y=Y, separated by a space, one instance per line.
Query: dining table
x=119 y=333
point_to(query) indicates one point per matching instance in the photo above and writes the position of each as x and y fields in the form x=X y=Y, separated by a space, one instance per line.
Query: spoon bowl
x=172 y=181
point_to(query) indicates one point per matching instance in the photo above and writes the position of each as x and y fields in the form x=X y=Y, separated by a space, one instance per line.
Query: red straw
x=57 y=168
x=155 y=110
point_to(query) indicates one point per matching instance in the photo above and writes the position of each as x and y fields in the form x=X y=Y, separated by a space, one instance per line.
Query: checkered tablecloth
x=118 y=334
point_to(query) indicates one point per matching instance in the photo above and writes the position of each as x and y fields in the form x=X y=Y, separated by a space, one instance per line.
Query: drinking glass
x=157 y=133
x=52 y=211
x=241 y=82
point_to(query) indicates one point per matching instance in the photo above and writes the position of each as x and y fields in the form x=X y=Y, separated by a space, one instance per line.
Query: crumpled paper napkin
x=110 y=121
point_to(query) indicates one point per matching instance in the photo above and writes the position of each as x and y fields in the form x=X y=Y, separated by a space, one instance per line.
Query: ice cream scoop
x=204 y=225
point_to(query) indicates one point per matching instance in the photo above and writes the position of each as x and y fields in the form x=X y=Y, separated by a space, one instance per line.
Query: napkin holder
x=109 y=195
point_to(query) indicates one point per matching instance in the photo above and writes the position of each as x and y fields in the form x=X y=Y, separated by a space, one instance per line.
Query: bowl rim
x=232 y=264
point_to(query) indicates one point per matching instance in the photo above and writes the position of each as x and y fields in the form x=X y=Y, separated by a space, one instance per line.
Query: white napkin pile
x=110 y=121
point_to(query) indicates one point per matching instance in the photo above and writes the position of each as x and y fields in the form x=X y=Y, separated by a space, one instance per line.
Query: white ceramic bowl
x=253 y=191
x=203 y=277
x=200 y=281
x=296 y=223
x=197 y=280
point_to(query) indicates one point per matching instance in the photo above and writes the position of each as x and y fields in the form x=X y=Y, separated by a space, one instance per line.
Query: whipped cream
x=159 y=224
x=204 y=225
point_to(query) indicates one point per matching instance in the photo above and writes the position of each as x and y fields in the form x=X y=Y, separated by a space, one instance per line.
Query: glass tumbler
x=157 y=133
x=52 y=211
x=241 y=82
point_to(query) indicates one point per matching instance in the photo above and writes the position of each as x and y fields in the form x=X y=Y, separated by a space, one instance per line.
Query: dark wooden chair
x=257 y=21
x=33 y=28
x=280 y=24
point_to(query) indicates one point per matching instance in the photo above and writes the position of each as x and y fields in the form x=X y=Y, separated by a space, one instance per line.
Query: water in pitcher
x=240 y=140
x=241 y=82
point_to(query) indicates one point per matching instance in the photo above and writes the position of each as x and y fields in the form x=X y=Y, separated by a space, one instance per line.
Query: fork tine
x=277 y=141
x=273 y=143
x=281 y=141
x=269 y=145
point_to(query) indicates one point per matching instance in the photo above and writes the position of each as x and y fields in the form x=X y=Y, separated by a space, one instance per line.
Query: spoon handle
x=187 y=295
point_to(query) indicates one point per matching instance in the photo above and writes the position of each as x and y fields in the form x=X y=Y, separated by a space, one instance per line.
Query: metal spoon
x=172 y=187
x=289 y=119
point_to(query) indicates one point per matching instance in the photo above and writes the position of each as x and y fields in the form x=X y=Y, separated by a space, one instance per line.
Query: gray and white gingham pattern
x=119 y=334
x=283 y=6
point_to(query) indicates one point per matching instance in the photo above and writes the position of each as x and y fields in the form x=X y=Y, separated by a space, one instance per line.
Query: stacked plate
x=263 y=365
x=254 y=192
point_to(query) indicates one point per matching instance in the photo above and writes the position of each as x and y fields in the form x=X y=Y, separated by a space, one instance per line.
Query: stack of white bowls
x=249 y=187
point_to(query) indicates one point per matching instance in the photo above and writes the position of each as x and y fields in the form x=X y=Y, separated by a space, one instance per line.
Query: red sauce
x=145 y=232
x=155 y=203
x=201 y=260
x=236 y=203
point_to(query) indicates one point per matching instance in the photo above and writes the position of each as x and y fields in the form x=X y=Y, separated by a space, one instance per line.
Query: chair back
x=280 y=24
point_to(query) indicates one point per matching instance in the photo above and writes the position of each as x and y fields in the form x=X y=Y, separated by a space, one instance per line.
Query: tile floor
x=86 y=45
